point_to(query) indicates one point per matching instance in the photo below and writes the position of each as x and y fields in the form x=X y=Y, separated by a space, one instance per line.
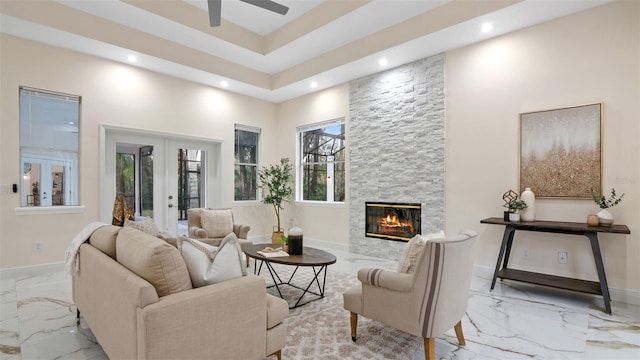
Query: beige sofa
x=133 y=318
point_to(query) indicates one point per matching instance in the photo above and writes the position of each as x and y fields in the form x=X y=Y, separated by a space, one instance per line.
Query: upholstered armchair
x=212 y=225
x=426 y=302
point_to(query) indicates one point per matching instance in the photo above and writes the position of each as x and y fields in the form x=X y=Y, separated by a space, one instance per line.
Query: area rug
x=320 y=329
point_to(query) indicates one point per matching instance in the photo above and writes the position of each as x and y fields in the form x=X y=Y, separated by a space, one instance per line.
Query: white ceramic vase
x=529 y=213
x=605 y=217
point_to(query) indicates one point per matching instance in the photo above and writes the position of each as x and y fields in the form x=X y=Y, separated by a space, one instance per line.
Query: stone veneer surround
x=396 y=148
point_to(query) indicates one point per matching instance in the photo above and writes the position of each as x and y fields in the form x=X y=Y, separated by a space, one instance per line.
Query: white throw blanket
x=71 y=256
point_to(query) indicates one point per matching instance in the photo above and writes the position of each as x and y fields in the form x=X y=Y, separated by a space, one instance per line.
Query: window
x=49 y=133
x=321 y=151
x=246 y=163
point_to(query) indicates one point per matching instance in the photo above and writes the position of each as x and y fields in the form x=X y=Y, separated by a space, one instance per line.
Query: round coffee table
x=317 y=259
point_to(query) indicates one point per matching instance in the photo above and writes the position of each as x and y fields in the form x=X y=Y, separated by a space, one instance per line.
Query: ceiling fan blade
x=214 y=12
x=268 y=5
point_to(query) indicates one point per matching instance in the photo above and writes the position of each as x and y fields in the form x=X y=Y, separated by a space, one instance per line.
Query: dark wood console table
x=591 y=232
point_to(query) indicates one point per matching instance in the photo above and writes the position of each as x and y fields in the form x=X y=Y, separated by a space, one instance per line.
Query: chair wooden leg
x=430 y=349
x=247 y=260
x=354 y=325
x=458 y=328
x=278 y=354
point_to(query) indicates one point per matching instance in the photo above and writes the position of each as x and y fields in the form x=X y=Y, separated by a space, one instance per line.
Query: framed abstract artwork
x=561 y=152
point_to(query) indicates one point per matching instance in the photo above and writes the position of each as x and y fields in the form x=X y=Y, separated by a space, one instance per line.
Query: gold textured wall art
x=561 y=151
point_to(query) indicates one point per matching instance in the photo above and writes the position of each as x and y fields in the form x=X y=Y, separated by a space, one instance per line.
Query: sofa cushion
x=146 y=225
x=104 y=239
x=217 y=223
x=209 y=264
x=413 y=249
x=154 y=260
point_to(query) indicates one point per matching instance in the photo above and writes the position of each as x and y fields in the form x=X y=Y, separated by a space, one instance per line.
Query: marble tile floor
x=515 y=321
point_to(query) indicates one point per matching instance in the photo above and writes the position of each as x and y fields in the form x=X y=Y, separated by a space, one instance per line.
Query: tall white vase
x=529 y=213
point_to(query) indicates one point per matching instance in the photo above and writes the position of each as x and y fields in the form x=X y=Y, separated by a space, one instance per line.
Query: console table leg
x=512 y=232
x=597 y=256
x=506 y=238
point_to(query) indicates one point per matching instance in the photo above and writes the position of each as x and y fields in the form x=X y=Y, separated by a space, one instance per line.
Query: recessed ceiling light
x=313 y=84
x=383 y=62
x=486 y=27
x=132 y=58
x=224 y=83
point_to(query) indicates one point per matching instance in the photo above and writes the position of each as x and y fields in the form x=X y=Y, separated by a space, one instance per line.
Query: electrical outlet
x=563 y=257
x=525 y=253
x=38 y=246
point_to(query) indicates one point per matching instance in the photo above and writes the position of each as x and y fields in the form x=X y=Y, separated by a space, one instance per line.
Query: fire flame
x=392 y=221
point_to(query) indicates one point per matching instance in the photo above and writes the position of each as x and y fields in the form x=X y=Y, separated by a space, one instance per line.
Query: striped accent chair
x=425 y=303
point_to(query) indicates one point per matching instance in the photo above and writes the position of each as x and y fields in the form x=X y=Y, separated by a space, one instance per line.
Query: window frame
x=258 y=132
x=300 y=130
x=72 y=181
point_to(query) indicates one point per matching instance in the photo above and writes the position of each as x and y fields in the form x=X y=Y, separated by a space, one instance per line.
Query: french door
x=174 y=174
x=192 y=175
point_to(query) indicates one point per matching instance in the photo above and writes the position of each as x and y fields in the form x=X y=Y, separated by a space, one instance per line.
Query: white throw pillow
x=209 y=264
x=413 y=249
x=217 y=223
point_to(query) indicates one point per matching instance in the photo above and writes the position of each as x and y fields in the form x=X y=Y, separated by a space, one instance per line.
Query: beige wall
x=588 y=57
x=318 y=222
x=584 y=58
x=115 y=94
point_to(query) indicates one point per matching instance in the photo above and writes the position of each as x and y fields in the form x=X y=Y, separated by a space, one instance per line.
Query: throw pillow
x=153 y=260
x=209 y=264
x=146 y=225
x=168 y=238
x=413 y=250
x=217 y=223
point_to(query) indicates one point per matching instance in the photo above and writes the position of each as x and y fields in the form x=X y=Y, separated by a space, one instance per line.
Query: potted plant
x=276 y=182
x=604 y=216
x=514 y=207
x=285 y=243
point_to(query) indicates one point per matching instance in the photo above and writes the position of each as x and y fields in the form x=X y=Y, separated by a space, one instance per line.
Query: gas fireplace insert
x=392 y=221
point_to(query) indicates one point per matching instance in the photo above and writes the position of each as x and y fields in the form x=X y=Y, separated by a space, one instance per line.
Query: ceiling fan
x=215 y=5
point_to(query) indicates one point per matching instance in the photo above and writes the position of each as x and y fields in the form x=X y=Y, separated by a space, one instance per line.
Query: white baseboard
x=33 y=270
x=326 y=245
x=626 y=296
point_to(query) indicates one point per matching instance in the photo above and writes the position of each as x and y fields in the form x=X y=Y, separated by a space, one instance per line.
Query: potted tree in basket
x=276 y=182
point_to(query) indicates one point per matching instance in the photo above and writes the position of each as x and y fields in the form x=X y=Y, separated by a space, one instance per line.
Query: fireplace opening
x=392 y=221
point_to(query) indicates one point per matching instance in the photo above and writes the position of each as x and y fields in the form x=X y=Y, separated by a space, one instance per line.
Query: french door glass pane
x=146 y=181
x=125 y=178
x=190 y=163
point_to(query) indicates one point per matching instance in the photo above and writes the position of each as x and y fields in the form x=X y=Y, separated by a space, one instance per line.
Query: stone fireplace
x=392 y=221
x=396 y=131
